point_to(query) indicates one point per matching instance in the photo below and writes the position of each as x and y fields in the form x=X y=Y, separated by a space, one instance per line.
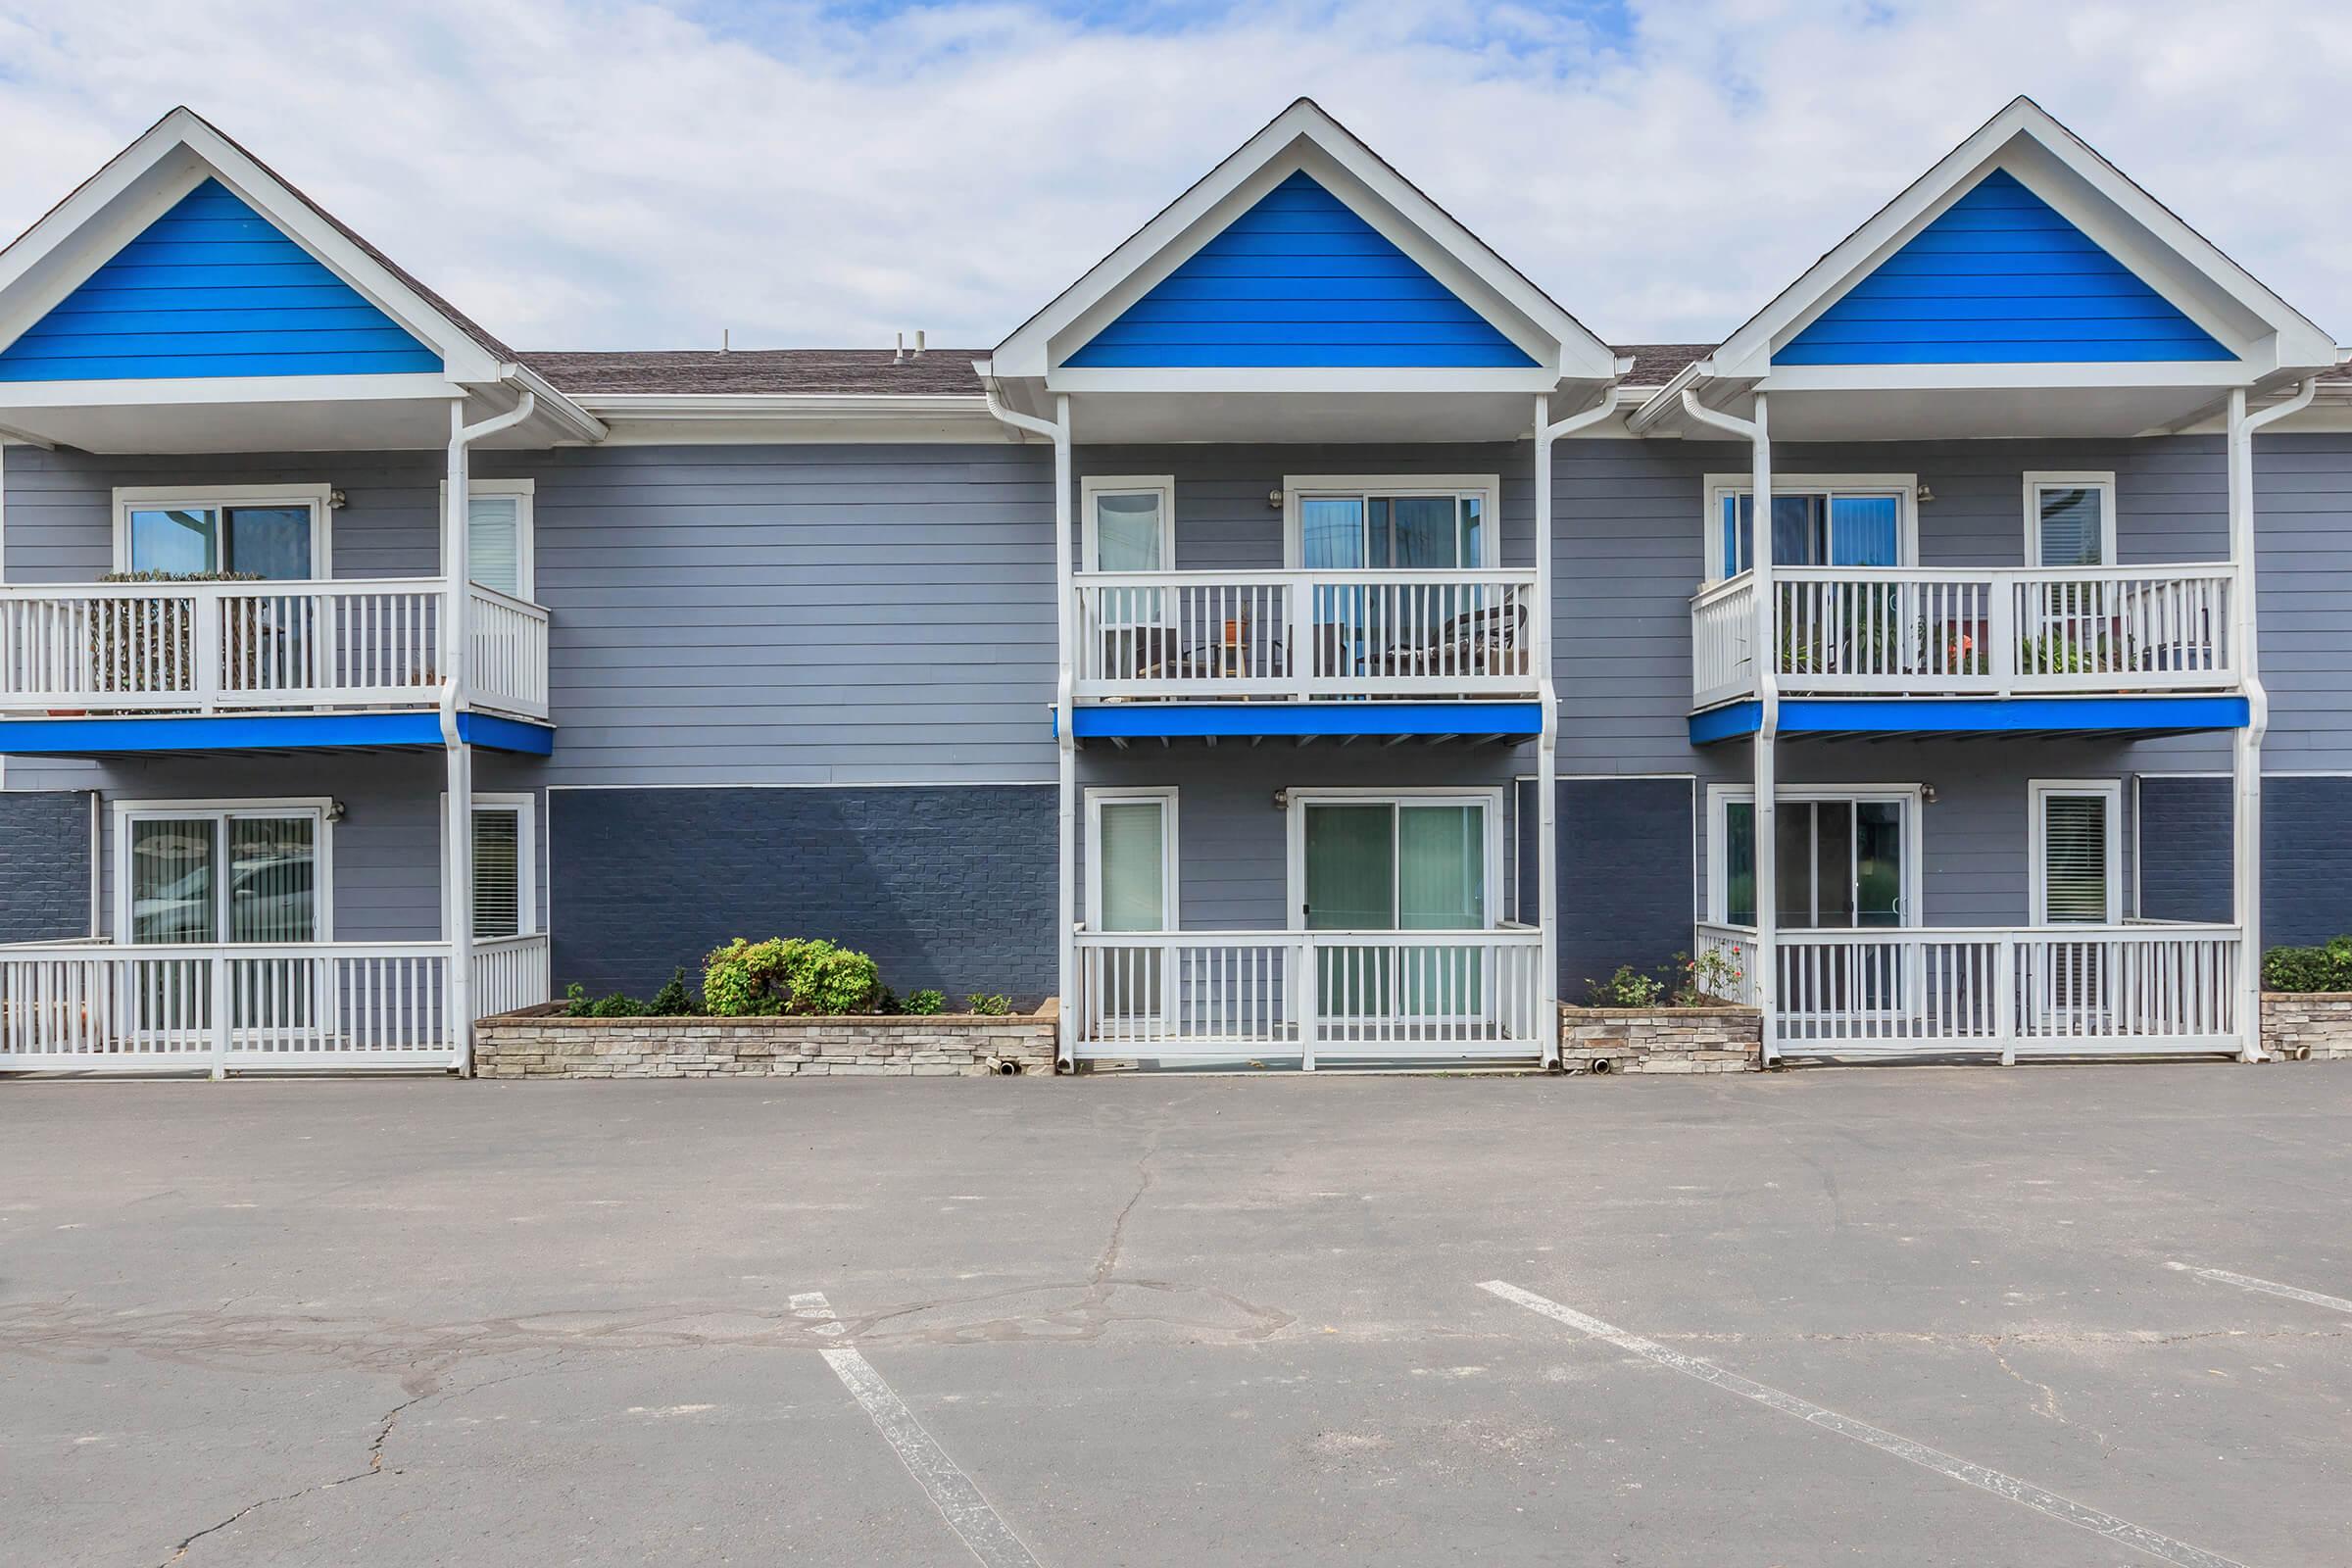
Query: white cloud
x=583 y=174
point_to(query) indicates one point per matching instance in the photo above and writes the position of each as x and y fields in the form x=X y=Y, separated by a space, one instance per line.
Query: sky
x=592 y=173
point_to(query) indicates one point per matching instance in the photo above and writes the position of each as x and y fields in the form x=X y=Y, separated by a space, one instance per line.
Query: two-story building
x=1302 y=641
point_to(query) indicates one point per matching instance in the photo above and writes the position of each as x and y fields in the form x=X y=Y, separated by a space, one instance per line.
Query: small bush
x=1628 y=987
x=987 y=1003
x=926 y=1002
x=2322 y=968
x=1711 y=977
x=673 y=1000
x=577 y=1005
x=788 y=976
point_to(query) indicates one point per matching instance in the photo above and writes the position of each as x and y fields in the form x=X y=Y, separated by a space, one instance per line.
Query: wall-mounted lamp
x=1274 y=499
x=334 y=810
x=1282 y=799
x=1926 y=795
x=1926 y=493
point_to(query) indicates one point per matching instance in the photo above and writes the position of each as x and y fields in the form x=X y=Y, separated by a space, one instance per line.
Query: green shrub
x=673 y=1000
x=618 y=1005
x=926 y=1002
x=2322 y=968
x=575 y=1001
x=987 y=1003
x=788 y=974
x=1628 y=987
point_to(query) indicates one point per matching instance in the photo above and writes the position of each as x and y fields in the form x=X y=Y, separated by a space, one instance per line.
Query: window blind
x=497 y=872
x=2073 y=525
x=2073 y=856
x=495 y=542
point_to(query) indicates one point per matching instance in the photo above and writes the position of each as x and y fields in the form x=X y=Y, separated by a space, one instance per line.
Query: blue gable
x=2001 y=277
x=212 y=288
x=1300 y=281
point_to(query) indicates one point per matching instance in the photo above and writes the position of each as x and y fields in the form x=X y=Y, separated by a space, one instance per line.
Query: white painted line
x=2122 y=1532
x=2247 y=1282
x=977 y=1525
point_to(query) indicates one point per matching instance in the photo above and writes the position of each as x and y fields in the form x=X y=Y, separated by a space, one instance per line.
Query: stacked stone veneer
x=543 y=1043
x=2319 y=1022
x=1663 y=1039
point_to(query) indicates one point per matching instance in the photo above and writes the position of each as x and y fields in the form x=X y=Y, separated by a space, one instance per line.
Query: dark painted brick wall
x=1626 y=874
x=2306 y=854
x=44 y=864
x=950 y=888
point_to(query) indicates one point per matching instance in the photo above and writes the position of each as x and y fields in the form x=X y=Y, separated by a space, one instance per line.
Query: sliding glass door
x=222 y=877
x=1396 y=866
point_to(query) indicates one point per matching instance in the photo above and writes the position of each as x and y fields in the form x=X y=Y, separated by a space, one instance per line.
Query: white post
x=456 y=833
x=1547 y=857
x=1065 y=954
x=1767 y=664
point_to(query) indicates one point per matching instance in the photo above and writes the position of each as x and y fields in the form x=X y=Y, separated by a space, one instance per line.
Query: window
x=1378 y=861
x=1847 y=860
x=1407 y=523
x=1131 y=864
x=505 y=863
x=197 y=872
x=2076 y=864
x=279 y=533
x=499 y=536
x=2070 y=519
x=1862 y=520
x=1130 y=524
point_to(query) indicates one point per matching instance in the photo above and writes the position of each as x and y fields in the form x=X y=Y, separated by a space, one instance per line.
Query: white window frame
x=318 y=808
x=1295 y=887
x=526 y=831
x=1171 y=903
x=1161 y=485
x=1911 y=797
x=2109 y=791
x=525 y=494
x=1904 y=487
x=170 y=497
x=1300 y=487
x=2036 y=482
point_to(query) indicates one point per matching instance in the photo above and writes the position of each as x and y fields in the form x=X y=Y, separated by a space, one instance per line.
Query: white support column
x=457 y=831
x=456 y=880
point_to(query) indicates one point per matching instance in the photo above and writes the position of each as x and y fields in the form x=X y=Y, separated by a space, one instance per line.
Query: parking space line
x=976 y=1524
x=2001 y=1484
x=2247 y=1282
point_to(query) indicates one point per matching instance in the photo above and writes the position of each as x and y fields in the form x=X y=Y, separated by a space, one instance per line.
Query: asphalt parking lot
x=2042 y=1316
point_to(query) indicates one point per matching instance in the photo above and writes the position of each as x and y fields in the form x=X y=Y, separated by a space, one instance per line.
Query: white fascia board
x=1289 y=141
x=1964 y=377
x=414 y=387
x=1274 y=380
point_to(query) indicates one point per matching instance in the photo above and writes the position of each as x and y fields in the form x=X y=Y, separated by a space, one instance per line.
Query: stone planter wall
x=1662 y=1039
x=544 y=1043
x=2317 y=1021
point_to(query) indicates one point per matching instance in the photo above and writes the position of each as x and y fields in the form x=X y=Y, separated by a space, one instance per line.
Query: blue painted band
x=209 y=732
x=1973 y=715
x=1173 y=720
x=1723 y=723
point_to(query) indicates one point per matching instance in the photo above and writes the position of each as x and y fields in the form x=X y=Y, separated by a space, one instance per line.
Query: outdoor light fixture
x=1274 y=499
x=334 y=500
x=1282 y=799
x=335 y=809
x=1926 y=795
x=1926 y=493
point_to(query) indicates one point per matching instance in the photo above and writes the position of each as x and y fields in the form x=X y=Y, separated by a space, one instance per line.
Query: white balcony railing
x=1301 y=634
x=1915 y=631
x=245 y=1005
x=254 y=647
x=1239 y=995
x=2041 y=991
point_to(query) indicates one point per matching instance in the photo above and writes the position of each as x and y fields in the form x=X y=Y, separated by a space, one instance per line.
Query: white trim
x=1094 y=487
x=1904 y=487
x=1911 y=797
x=2110 y=792
x=826 y=784
x=1171 y=906
x=198 y=495
x=1294 y=828
x=525 y=493
x=2039 y=479
x=1487 y=487
x=220 y=813
x=526 y=839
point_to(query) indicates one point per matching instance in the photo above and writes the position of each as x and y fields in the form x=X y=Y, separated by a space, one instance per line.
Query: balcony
x=1851 y=631
x=259 y=648
x=2152 y=988
x=1238 y=996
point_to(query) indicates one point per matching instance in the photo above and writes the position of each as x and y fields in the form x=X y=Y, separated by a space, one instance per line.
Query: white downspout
x=2246 y=746
x=1066 y=954
x=1547 y=854
x=1764 y=661
x=456 y=878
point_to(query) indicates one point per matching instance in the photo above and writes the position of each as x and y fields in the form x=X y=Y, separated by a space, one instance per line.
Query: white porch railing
x=248 y=647
x=1735 y=947
x=2047 y=991
x=1347 y=995
x=1301 y=634
x=244 y=1007
x=1855 y=630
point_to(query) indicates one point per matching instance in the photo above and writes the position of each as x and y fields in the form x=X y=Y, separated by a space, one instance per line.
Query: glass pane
x=1878 y=863
x=1834 y=863
x=494 y=542
x=2074 y=858
x=1738 y=535
x=1865 y=531
x=1133 y=865
x=1799 y=530
x=1350 y=868
x=497 y=873
x=1441 y=868
x=1474 y=532
x=1128 y=532
x=271 y=860
x=177 y=541
x=1794 y=834
x=2072 y=525
x=1426 y=532
x=1331 y=532
x=272 y=542
x=172 y=880
x=1739 y=862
